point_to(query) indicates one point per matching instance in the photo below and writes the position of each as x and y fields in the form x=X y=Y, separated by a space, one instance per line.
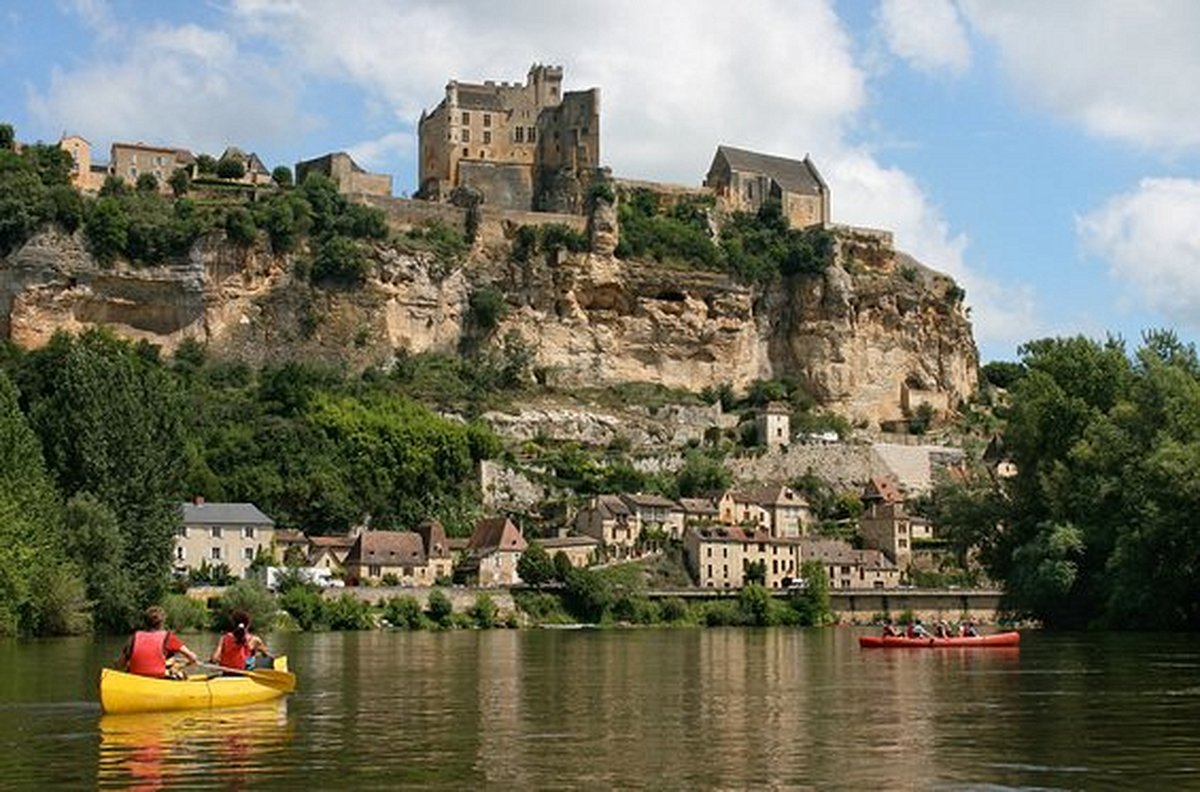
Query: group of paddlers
x=942 y=629
x=149 y=651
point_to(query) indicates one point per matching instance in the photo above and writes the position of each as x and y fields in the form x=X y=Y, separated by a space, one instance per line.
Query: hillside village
x=530 y=153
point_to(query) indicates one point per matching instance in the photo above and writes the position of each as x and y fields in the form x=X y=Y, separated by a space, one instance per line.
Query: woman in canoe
x=147 y=651
x=239 y=648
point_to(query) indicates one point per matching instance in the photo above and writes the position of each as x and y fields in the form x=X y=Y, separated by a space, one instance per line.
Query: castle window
x=466 y=152
x=487 y=119
x=466 y=136
x=487 y=137
x=466 y=117
x=532 y=134
x=519 y=135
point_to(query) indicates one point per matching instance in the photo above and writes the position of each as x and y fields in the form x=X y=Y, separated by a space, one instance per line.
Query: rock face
x=857 y=335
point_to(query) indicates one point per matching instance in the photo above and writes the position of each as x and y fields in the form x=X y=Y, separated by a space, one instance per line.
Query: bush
x=306 y=606
x=675 y=610
x=339 y=259
x=253 y=598
x=239 y=227
x=186 y=613
x=541 y=607
x=488 y=307
x=348 y=612
x=483 y=612
x=282 y=176
x=720 y=613
x=439 y=608
x=405 y=613
x=230 y=168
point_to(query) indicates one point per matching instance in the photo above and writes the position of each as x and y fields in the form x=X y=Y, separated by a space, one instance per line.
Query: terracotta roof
x=649 y=501
x=558 y=542
x=496 y=533
x=738 y=534
x=702 y=506
x=387 y=548
x=290 y=536
x=433 y=535
x=331 y=541
x=883 y=488
x=772 y=496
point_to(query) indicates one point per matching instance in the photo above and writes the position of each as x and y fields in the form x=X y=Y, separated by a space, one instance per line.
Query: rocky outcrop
x=857 y=335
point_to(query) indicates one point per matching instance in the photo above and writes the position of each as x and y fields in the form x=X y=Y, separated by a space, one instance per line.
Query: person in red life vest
x=239 y=648
x=889 y=629
x=147 y=651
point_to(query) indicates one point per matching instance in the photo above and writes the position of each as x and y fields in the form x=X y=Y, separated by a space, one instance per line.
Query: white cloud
x=928 y=34
x=1123 y=70
x=372 y=153
x=186 y=85
x=1151 y=241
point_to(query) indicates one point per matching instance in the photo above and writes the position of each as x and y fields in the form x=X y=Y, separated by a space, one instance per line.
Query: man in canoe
x=889 y=629
x=239 y=648
x=147 y=650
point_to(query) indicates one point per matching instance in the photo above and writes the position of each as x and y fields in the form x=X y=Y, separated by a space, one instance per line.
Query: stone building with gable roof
x=745 y=180
x=232 y=534
x=519 y=145
x=885 y=523
x=493 y=551
x=719 y=556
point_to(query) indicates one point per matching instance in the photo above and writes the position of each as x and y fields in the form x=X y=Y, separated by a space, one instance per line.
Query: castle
x=520 y=146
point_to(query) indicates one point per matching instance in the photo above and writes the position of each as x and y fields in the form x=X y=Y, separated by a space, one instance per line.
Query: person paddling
x=239 y=648
x=147 y=650
x=889 y=629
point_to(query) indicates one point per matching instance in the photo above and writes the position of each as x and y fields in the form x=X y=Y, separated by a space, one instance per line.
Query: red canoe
x=900 y=642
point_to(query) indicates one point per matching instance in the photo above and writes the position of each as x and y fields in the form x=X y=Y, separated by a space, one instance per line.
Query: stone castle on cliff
x=532 y=146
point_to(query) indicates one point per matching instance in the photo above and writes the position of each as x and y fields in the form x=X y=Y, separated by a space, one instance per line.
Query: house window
x=408 y=571
x=487 y=119
x=158 y=161
x=466 y=153
x=248 y=553
x=487 y=136
x=466 y=136
x=532 y=134
x=216 y=532
x=182 y=532
x=373 y=569
x=132 y=172
x=215 y=554
x=519 y=135
x=248 y=532
x=180 y=553
x=709 y=551
x=466 y=117
x=710 y=572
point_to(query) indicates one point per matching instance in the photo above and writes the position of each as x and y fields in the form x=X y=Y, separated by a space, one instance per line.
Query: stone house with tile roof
x=849 y=568
x=745 y=180
x=719 y=556
x=779 y=510
x=232 y=534
x=885 y=523
x=492 y=553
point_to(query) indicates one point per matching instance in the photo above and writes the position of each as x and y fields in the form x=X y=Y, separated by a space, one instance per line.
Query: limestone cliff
x=869 y=332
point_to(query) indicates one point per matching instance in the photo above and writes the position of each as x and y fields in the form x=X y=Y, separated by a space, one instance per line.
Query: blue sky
x=1045 y=154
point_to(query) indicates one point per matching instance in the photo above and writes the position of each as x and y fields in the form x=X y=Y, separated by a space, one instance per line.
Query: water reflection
x=225 y=747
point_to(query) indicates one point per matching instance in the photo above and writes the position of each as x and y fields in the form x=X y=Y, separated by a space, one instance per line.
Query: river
x=655 y=709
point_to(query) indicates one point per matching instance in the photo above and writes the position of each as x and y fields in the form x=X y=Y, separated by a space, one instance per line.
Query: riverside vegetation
x=101 y=439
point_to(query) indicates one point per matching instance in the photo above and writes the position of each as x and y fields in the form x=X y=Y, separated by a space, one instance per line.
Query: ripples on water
x=638 y=709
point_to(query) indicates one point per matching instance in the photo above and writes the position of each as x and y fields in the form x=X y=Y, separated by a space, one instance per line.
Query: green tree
x=147 y=182
x=535 y=566
x=180 y=181
x=811 y=601
x=439 y=608
x=282 y=176
x=8 y=138
x=231 y=168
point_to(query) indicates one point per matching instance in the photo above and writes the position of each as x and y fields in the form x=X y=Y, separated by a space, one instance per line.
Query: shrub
x=306 y=606
x=230 y=168
x=348 y=612
x=239 y=226
x=405 y=613
x=488 y=307
x=439 y=608
x=675 y=610
x=339 y=259
x=483 y=612
x=180 y=182
x=253 y=598
x=186 y=613
x=541 y=607
x=282 y=176
x=755 y=605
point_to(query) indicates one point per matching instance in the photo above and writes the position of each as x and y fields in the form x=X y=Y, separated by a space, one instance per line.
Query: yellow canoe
x=121 y=692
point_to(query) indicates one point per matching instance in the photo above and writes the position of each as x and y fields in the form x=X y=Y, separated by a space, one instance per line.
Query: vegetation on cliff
x=108 y=439
x=1098 y=526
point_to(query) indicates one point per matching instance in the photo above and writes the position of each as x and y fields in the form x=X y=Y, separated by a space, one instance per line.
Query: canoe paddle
x=280 y=680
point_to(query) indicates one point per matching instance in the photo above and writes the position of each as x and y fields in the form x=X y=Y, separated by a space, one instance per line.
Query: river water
x=655 y=709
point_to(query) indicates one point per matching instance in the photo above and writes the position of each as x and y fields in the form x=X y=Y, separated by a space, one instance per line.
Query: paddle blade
x=280 y=680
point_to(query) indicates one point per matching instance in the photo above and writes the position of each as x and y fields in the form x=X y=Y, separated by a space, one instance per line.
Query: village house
x=719 y=556
x=581 y=551
x=492 y=553
x=329 y=552
x=609 y=519
x=745 y=180
x=86 y=176
x=886 y=525
x=350 y=179
x=256 y=172
x=418 y=557
x=774 y=426
x=232 y=534
x=128 y=161
x=778 y=510
x=656 y=512
x=699 y=512
x=516 y=144
x=849 y=568
x=291 y=547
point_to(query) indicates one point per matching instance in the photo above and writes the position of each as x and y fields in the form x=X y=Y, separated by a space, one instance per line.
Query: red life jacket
x=233 y=654
x=148 y=656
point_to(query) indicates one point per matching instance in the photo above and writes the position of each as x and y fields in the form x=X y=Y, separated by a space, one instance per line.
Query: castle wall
x=503 y=185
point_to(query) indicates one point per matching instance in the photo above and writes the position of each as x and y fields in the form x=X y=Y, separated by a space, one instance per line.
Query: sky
x=1044 y=154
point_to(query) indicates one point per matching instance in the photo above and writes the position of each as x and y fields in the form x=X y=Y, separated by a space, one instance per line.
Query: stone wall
x=504 y=185
x=461 y=597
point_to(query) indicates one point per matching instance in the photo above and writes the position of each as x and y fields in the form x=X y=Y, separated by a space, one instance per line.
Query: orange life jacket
x=233 y=654
x=149 y=656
